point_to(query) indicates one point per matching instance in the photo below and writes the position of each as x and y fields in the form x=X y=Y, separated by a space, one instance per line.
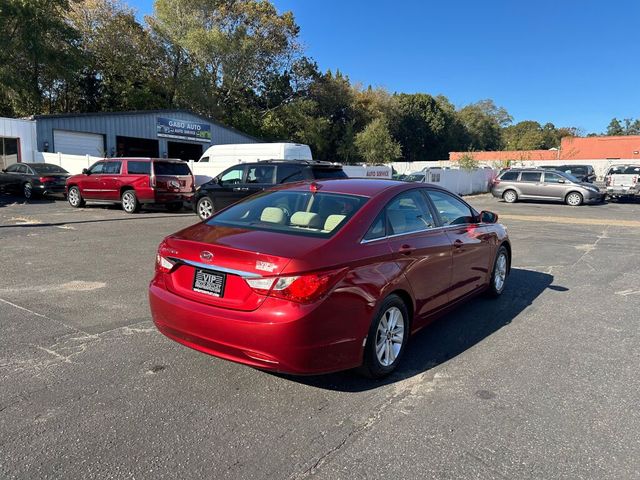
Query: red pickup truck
x=133 y=182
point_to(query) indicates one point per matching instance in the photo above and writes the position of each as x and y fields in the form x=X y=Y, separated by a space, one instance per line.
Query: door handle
x=458 y=244
x=406 y=249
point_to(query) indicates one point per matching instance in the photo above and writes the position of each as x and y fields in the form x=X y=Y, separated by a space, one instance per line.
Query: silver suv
x=538 y=184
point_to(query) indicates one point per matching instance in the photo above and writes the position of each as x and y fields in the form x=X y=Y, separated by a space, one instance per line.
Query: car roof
x=143 y=159
x=367 y=187
x=311 y=163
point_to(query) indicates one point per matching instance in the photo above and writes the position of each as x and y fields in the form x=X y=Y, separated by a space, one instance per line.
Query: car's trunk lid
x=230 y=255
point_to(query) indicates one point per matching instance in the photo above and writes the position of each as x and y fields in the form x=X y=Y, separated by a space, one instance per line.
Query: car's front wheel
x=204 y=207
x=75 y=198
x=387 y=338
x=573 y=199
x=129 y=201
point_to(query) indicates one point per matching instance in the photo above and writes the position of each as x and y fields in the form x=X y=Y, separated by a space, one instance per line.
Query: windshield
x=292 y=212
x=414 y=177
x=568 y=176
x=48 y=168
x=171 y=168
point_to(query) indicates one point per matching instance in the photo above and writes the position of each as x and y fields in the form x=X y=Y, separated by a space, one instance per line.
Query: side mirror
x=488 y=217
x=561 y=181
x=4 y=170
x=85 y=171
x=217 y=180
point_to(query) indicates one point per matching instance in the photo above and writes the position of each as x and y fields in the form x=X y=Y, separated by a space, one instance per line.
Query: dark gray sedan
x=31 y=179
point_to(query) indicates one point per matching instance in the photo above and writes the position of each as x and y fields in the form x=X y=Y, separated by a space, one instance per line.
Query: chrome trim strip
x=434 y=229
x=207 y=266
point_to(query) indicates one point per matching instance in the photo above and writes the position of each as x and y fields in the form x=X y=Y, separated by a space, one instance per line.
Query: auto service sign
x=183 y=130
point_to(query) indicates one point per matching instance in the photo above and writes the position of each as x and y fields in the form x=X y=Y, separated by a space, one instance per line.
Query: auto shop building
x=155 y=133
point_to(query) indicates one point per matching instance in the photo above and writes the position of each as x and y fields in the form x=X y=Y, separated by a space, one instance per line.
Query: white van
x=252 y=152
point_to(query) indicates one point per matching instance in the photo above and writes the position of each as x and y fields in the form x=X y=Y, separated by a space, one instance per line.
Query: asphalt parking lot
x=541 y=383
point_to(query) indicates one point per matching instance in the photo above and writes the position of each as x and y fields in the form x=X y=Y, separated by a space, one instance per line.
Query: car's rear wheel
x=500 y=272
x=129 y=201
x=573 y=199
x=204 y=207
x=75 y=198
x=27 y=190
x=387 y=338
x=510 y=196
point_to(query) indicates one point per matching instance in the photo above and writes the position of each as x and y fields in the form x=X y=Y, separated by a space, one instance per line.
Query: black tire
x=496 y=287
x=510 y=196
x=204 y=205
x=372 y=365
x=27 y=191
x=75 y=198
x=174 y=207
x=129 y=201
x=574 y=199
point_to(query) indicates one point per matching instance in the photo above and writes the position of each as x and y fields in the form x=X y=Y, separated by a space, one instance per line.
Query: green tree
x=39 y=51
x=615 y=127
x=375 y=143
x=468 y=162
x=484 y=121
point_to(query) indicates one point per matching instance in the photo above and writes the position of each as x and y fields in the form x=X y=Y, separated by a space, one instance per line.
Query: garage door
x=78 y=143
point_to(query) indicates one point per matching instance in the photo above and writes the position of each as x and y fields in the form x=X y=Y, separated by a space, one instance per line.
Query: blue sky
x=573 y=63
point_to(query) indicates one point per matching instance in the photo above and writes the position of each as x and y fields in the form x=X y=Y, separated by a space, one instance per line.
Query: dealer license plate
x=209 y=282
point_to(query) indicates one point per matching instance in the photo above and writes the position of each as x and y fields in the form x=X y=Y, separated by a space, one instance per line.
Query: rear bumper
x=50 y=189
x=279 y=336
x=164 y=198
x=623 y=191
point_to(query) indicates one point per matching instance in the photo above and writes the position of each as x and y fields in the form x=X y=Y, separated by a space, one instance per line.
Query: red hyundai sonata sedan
x=317 y=277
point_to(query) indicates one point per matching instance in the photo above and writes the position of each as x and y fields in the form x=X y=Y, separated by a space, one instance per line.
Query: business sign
x=183 y=130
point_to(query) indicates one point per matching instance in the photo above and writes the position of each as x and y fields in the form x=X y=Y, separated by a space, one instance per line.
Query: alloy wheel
x=205 y=208
x=389 y=336
x=73 y=197
x=510 y=196
x=500 y=273
x=27 y=190
x=574 y=199
x=128 y=202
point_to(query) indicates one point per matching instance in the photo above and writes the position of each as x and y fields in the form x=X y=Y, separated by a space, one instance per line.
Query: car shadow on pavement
x=450 y=335
x=7 y=199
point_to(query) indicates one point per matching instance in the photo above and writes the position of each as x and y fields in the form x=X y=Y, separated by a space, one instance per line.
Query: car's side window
x=510 y=176
x=260 y=174
x=13 y=168
x=378 y=229
x=204 y=160
x=451 y=210
x=408 y=212
x=552 y=177
x=112 y=167
x=138 y=168
x=289 y=173
x=21 y=169
x=29 y=170
x=97 y=168
x=530 y=176
x=233 y=175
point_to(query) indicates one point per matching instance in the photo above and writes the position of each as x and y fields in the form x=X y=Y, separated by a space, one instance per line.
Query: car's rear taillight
x=152 y=181
x=46 y=179
x=635 y=179
x=164 y=263
x=299 y=288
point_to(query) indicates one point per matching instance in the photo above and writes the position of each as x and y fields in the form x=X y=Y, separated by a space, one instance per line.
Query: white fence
x=71 y=163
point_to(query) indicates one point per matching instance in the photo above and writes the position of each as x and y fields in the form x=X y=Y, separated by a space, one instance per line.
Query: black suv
x=245 y=179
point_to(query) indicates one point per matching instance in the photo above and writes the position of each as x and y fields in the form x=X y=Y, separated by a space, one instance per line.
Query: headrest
x=273 y=215
x=306 y=219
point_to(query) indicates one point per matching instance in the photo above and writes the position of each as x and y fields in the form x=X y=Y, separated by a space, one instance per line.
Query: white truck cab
x=253 y=152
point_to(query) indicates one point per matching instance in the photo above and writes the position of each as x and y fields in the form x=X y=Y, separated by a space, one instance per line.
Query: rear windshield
x=48 y=168
x=171 y=168
x=292 y=212
x=634 y=170
x=328 y=173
